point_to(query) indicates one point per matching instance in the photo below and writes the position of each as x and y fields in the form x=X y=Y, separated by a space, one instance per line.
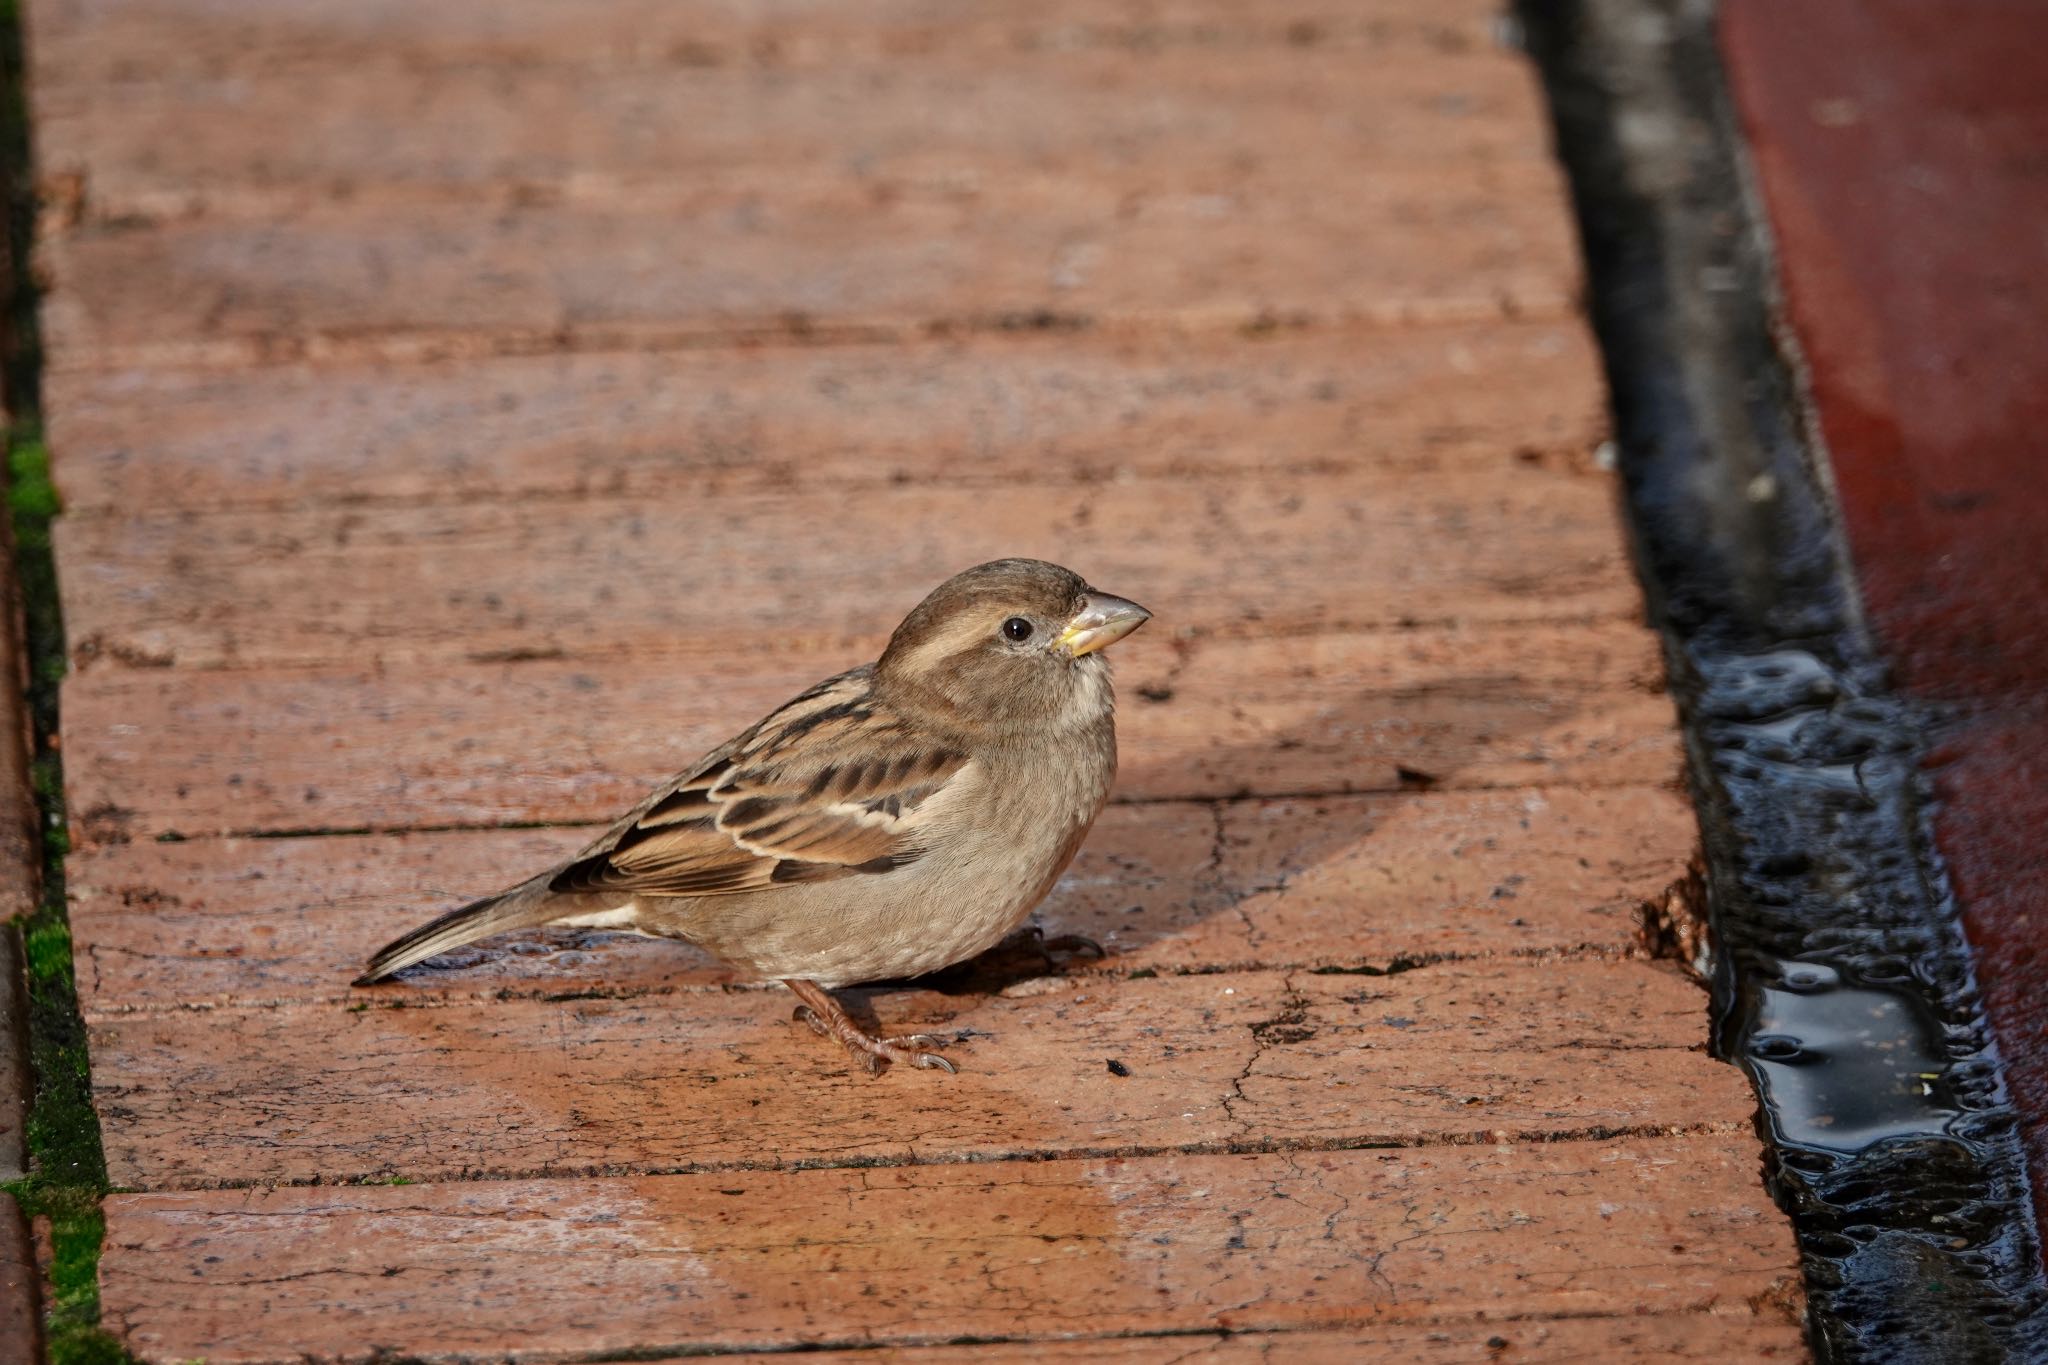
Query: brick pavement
x=432 y=394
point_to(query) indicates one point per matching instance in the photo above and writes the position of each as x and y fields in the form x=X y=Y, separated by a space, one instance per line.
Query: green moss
x=74 y=1310
x=31 y=497
x=49 y=949
x=68 y=1173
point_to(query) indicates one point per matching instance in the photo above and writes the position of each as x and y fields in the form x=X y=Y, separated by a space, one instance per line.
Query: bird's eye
x=1018 y=629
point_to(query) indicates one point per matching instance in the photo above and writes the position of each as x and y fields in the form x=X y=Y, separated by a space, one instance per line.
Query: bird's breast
x=1008 y=827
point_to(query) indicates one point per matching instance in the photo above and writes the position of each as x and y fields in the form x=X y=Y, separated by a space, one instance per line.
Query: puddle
x=1772 y=683
x=1843 y=1066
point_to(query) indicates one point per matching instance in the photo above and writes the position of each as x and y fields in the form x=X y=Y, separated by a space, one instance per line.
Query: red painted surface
x=1902 y=147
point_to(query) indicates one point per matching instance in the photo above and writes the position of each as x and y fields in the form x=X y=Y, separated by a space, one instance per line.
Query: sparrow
x=901 y=817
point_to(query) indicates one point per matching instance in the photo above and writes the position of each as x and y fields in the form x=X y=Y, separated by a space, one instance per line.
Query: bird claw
x=876 y=1053
x=828 y=1019
x=908 y=1049
x=1031 y=938
x=1077 y=944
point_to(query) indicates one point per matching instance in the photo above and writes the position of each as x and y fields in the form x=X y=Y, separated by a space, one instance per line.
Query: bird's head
x=1013 y=643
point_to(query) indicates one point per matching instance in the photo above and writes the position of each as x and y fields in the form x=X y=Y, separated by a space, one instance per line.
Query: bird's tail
x=523 y=907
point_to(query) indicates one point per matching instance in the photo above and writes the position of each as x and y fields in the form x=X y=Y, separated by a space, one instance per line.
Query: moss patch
x=68 y=1170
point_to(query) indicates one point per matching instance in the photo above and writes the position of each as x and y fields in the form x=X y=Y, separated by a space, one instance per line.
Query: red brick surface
x=1160 y=125
x=717 y=1079
x=444 y=582
x=686 y=266
x=935 y=1252
x=1091 y=406
x=106 y=40
x=481 y=409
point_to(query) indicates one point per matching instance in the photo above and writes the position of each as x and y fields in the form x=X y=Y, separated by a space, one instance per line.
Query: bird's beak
x=1102 y=620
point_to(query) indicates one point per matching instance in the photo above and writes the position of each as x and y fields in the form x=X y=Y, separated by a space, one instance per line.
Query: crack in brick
x=992 y=1157
x=1589 y=783
x=1282 y=1030
x=355 y=1002
x=765 y=50
x=1376 y=1260
x=398 y=343
x=1291 y=1024
x=1210 y=879
x=959 y=476
x=1269 y=1338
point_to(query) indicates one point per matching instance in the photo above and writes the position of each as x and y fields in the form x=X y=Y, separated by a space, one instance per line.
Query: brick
x=198 y=753
x=17 y=1078
x=1347 y=712
x=21 y=841
x=1247 y=1243
x=21 y=1318
x=1507 y=872
x=592 y=577
x=722 y=1079
x=88 y=42
x=21 y=851
x=691 y=262
x=1343 y=881
x=1039 y=407
x=1252 y=122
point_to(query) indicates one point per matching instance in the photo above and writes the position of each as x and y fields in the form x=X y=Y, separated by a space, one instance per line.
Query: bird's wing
x=830 y=785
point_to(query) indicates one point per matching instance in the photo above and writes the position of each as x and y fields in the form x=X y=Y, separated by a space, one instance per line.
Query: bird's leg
x=829 y=1019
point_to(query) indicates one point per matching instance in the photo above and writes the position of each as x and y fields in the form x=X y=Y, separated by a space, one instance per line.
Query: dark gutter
x=1841 y=980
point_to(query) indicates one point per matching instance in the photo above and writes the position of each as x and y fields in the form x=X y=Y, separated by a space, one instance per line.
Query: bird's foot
x=1032 y=939
x=829 y=1019
x=1073 y=945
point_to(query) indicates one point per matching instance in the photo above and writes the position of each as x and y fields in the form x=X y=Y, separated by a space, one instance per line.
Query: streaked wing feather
x=828 y=786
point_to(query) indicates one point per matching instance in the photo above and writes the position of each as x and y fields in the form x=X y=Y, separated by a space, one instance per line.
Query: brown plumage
x=892 y=820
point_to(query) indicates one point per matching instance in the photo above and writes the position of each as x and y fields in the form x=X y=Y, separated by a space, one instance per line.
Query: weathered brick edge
x=20 y=1314
x=20 y=872
x=21 y=1327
